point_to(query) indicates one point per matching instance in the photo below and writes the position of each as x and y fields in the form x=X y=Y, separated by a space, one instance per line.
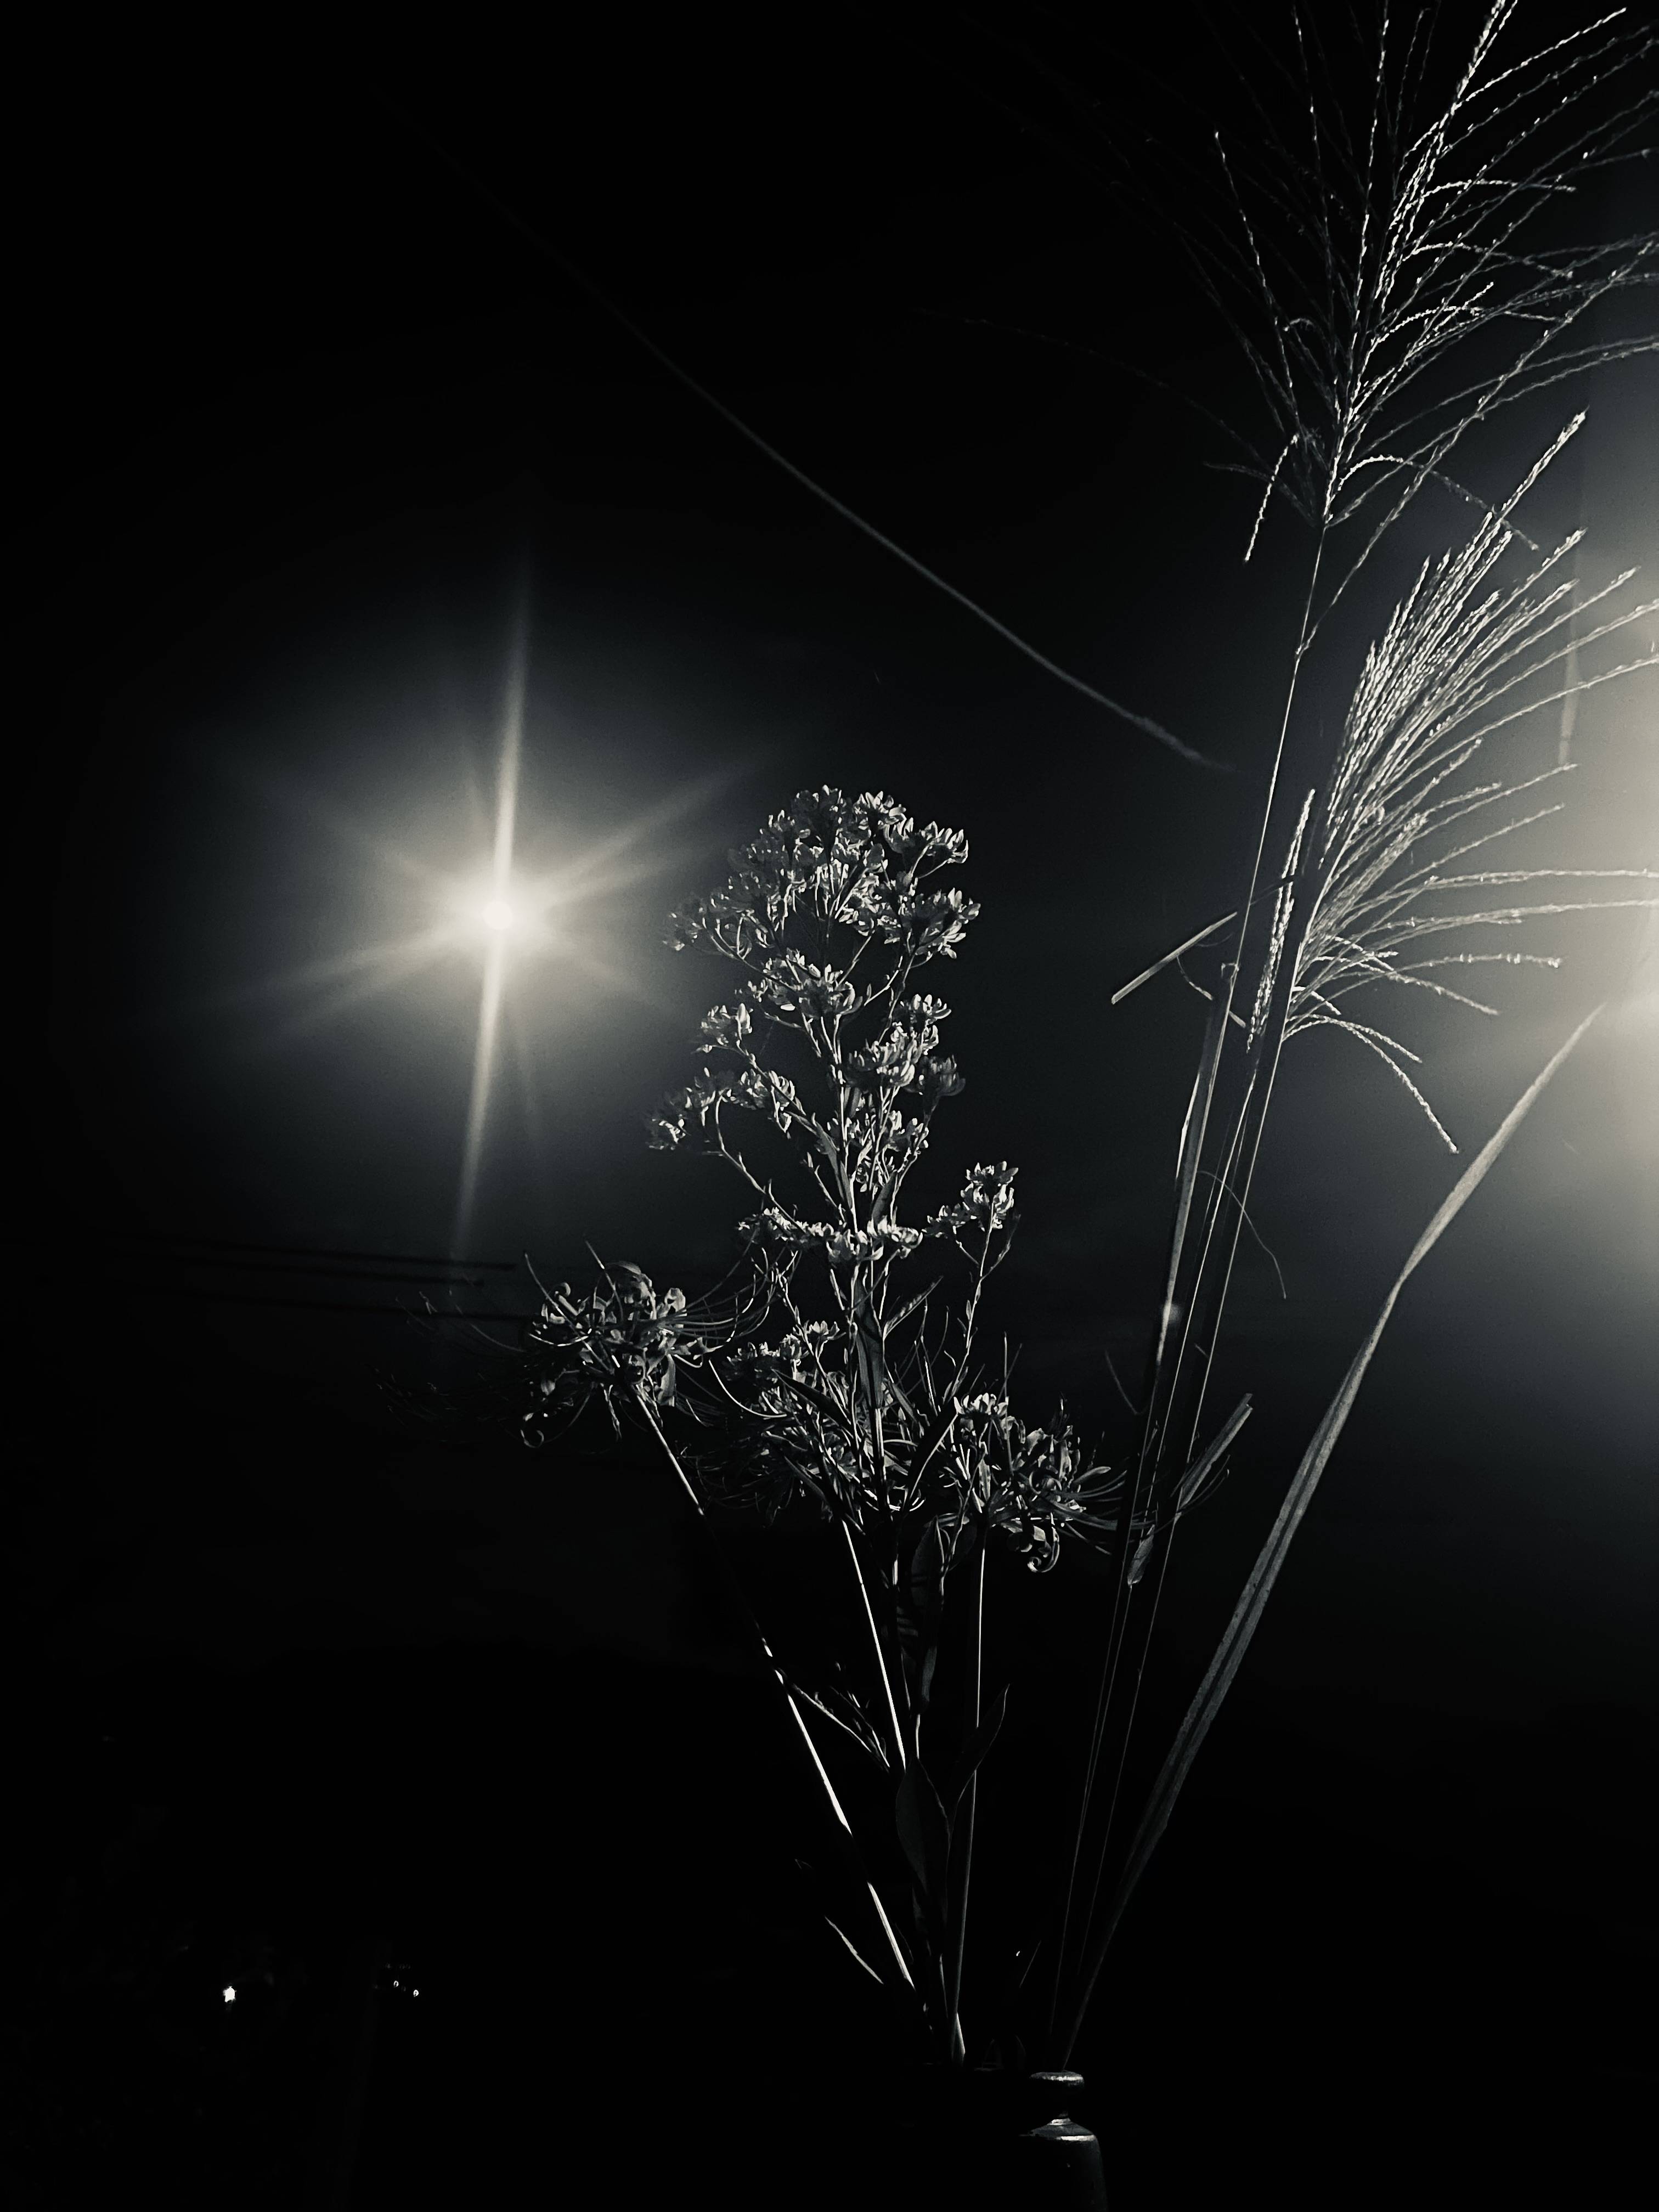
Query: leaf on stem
x=969 y=1759
x=1194 y=1481
x=920 y=1618
x=923 y=1831
x=816 y=1883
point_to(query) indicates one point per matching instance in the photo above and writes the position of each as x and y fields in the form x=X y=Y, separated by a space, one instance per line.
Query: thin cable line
x=301 y=1251
x=578 y=277
x=322 y=1306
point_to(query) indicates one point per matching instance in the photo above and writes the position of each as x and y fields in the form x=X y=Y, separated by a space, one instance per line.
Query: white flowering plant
x=831 y=1383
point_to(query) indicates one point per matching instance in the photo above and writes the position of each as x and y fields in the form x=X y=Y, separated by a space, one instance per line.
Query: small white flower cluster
x=842 y=1247
x=796 y=992
x=622 y=1340
x=1029 y=1485
x=855 y=861
x=987 y=1200
x=762 y=1090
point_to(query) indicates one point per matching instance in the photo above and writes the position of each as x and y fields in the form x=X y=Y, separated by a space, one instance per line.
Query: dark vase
x=964 y=2137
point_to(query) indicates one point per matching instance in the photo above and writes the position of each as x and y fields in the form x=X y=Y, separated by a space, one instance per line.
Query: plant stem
x=876 y=1645
x=845 y=1841
x=977 y=1631
x=1173 y=1398
x=1133 y=1506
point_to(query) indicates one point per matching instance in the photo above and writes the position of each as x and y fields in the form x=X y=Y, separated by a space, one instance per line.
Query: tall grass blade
x=1158 y=966
x=1247 y=1614
x=1135 y=1503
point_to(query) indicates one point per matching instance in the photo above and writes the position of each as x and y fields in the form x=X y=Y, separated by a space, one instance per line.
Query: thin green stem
x=893 y=1724
x=1191 y=1141
x=1166 y=1378
x=959 y=2049
x=845 y=1841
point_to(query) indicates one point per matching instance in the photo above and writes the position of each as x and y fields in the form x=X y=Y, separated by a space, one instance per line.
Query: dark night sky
x=306 y=415
x=305 y=422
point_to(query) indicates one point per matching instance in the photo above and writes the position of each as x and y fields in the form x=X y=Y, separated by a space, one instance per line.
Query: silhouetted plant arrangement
x=1382 y=277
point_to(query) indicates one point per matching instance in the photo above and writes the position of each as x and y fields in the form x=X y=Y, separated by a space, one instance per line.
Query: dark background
x=304 y=425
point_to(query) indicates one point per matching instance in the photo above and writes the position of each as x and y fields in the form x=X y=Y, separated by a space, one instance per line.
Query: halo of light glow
x=504 y=917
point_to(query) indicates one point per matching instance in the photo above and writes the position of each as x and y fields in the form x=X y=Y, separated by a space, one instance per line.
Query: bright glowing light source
x=228 y=1994
x=511 y=916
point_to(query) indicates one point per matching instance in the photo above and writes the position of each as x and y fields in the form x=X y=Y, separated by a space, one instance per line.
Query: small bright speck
x=228 y=1994
x=499 y=914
